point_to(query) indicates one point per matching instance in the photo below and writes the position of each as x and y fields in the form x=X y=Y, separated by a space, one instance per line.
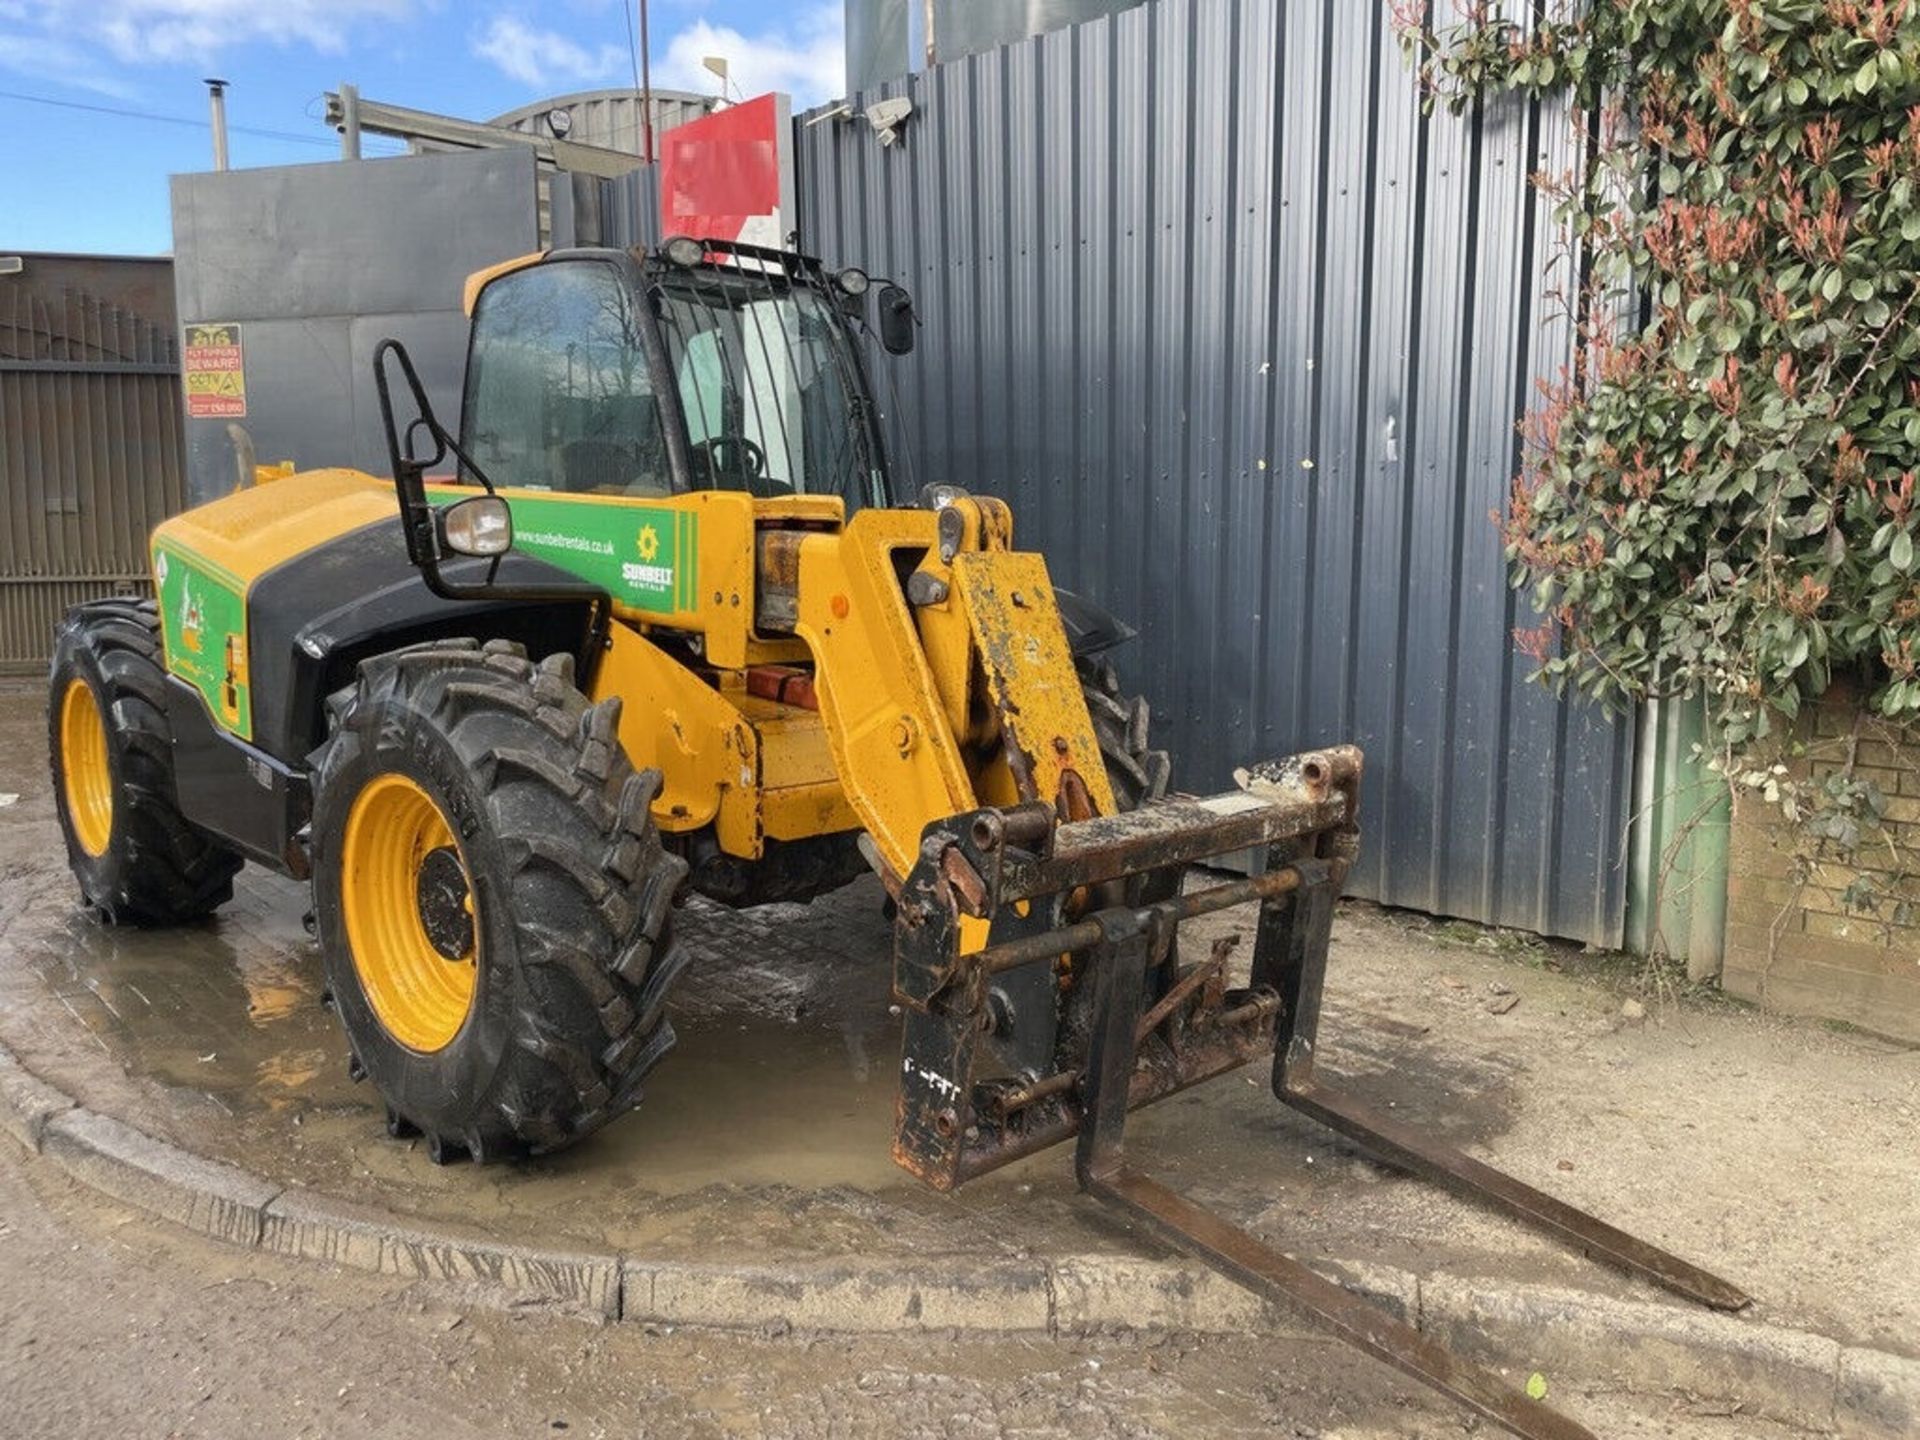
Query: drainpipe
x=1677 y=865
x=217 y=104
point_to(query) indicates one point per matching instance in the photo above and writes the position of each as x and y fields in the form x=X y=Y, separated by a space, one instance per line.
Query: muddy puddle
x=770 y=1121
x=768 y=1128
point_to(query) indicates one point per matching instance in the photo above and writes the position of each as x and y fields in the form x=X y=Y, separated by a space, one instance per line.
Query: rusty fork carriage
x=1079 y=1008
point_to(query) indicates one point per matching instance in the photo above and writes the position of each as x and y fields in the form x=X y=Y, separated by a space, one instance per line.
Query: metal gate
x=1242 y=335
x=90 y=454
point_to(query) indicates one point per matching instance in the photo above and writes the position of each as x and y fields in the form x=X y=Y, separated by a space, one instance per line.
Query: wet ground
x=1782 y=1155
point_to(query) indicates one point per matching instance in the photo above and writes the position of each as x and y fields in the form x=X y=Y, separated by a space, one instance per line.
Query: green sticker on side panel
x=203 y=625
x=646 y=556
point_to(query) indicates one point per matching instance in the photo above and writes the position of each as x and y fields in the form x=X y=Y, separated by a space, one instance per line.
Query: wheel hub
x=446 y=905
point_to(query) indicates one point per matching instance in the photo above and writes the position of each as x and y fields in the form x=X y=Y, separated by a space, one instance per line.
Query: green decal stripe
x=601 y=543
x=202 y=609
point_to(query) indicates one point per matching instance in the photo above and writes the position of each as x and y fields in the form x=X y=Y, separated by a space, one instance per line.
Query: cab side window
x=558 y=396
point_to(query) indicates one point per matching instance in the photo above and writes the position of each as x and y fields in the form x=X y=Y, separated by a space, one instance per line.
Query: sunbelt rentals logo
x=647 y=573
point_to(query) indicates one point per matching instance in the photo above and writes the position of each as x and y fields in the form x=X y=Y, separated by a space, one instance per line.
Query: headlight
x=853 y=280
x=481 y=526
x=684 y=251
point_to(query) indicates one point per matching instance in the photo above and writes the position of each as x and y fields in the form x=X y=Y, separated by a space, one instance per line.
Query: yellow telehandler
x=655 y=619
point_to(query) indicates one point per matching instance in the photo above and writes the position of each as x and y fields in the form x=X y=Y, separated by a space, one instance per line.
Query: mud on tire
x=157 y=867
x=572 y=896
x=1138 y=773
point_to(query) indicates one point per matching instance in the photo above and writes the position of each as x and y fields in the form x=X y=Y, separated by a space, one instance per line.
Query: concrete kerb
x=1790 y=1375
x=26 y=1102
x=313 y=1227
x=205 y=1196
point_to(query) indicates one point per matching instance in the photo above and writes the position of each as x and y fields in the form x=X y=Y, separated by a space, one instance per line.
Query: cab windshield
x=769 y=382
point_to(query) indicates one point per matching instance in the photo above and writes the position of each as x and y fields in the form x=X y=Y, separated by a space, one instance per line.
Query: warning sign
x=215 y=372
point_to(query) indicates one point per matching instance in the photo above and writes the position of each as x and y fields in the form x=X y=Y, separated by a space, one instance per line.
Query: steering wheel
x=721 y=451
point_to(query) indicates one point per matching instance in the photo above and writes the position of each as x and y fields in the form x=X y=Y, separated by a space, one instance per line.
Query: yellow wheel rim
x=403 y=890
x=86 y=777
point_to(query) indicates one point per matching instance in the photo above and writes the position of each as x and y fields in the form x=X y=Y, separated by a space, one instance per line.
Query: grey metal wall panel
x=319 y=263
x=629 y=210
x=888 y=38
x=877 y=46
x=442 y=334
x=963 y=27
x=1243 y=335
x=362 y=237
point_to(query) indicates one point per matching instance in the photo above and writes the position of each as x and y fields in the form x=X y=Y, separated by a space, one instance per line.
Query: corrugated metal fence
x=622 y=213
x=1242 y=336
x=90 y=457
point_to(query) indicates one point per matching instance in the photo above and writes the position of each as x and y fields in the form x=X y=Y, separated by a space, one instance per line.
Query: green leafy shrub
x=1718 y=497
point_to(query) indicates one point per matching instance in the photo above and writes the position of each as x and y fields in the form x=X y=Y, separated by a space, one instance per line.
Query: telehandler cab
x=660 y=621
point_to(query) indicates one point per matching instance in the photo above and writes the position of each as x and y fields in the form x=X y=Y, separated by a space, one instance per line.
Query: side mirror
x=480 y=525
x=897 y=320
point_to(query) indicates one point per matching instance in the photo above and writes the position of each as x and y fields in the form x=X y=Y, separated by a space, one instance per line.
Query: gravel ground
x=110 y=1324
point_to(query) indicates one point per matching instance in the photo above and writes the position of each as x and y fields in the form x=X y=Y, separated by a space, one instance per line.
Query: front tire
x=492 y=898
x=139 y=861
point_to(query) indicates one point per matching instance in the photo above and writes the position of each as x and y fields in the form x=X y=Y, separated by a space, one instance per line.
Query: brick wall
x=1793 y=942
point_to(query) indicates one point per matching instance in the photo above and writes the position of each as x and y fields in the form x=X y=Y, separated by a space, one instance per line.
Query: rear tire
x=568 y=899
x=139 y=861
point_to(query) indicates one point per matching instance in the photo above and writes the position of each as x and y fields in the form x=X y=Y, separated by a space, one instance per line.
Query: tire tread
x=160 y=868
x=574 y=824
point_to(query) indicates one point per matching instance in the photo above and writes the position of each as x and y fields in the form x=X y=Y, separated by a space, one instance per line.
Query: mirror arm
x=419 y=521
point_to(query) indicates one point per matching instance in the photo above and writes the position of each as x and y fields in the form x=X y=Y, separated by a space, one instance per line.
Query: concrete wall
x=1795 y=943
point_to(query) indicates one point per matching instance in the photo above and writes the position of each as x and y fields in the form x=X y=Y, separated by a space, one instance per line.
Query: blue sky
x=80 y=179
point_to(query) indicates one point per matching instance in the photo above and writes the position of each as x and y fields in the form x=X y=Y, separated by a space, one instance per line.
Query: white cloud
x=806 y=57
x=46 y=57
x=139 y=30
x=65 y=40
x=546 y=59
